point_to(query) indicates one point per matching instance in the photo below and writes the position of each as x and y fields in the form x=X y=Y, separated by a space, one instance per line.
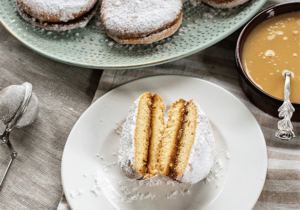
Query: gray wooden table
x=64 y=93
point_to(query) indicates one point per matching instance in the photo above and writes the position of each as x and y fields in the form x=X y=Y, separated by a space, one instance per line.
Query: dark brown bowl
x=258 y=97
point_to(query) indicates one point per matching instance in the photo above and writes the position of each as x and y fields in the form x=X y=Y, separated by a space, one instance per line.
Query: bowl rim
x=238 y=54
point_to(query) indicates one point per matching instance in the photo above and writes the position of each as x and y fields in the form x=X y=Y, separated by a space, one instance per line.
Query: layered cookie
x=140 y=22
x=196 y=146
x=183 y=149
x=57 y=14
x=146 y=117
x=170 y=139
x=157 y=131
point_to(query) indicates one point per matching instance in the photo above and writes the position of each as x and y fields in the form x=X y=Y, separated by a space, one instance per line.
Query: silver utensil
x=285 y=127
x=10 y=125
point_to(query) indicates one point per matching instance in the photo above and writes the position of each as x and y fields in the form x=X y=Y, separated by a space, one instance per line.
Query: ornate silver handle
x=285 y=127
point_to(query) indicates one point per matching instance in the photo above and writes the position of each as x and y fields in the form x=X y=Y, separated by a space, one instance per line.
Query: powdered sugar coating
x=31 y=112
x=80 y=22
x=127 y=144
x=63 y=9
x=202 y=154
x=11 y=99
x=130 y=17
x=225 y=3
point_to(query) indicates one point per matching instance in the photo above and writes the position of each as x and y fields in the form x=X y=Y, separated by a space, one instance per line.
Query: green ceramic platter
x=90 y=47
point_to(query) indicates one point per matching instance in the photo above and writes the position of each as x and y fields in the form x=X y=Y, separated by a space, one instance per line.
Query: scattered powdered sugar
x=202 y=154
x=106 y=167
x=118 y=128
x=227 y=154
x=131 y=195
x=215 y=172
x=138 y=190
x=76 y=193
x=224 y=4
x=207 y=15
x=164 y=47
x=127 y=148
x=158 y=187
x=96 y=190
x=125 y=190
x=129 y=18
x=110 y=44
x=195 y=2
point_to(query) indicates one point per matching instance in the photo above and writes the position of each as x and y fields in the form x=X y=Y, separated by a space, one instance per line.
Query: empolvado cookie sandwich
x=183 y=149
x=140 y=22
x=58 y=15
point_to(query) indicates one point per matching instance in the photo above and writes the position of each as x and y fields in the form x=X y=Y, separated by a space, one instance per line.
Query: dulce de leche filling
x=272 y=48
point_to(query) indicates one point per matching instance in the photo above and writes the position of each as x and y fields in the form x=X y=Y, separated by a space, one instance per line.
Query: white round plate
x=91 y=177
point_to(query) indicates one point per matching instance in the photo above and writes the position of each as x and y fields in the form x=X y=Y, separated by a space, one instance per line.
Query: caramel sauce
x=270 y=49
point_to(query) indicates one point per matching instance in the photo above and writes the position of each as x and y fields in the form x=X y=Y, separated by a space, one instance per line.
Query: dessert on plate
x=183 y=149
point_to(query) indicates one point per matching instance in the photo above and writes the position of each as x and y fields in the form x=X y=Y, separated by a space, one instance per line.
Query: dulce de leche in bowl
x=268 y=46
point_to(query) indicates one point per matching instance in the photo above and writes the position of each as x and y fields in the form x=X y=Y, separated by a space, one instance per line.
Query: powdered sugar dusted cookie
x=196 y=147
x=58 y=14
x=141 y=137
x=139 y=22
x=183 y=149
x=133 y=152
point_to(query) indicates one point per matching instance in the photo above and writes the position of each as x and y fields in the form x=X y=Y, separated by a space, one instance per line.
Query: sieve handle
x=13 y=155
